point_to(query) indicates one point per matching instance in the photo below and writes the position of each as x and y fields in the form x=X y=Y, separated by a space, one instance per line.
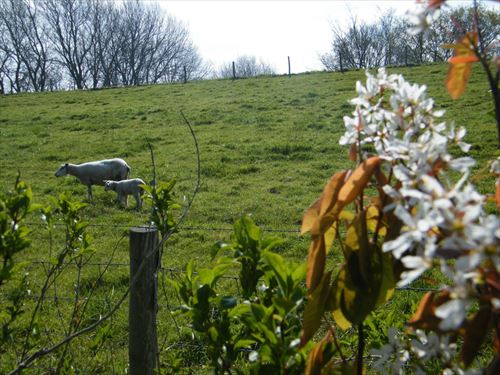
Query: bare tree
x=391 y=28
x=154 y=47
x=246 y=66
x=72 y=35
x=45 y=44
x=4 y=58
x=12 y=45
x=26 y=49
x=387 y=42
x=362 y=45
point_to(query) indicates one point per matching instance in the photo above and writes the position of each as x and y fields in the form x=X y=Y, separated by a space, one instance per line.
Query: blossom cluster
x=422 y=17
x=442 y=218
x=402 y=352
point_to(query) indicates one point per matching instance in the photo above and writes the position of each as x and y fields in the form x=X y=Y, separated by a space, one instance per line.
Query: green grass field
x=267 y=146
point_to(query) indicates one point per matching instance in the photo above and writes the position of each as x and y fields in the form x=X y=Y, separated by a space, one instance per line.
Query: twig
x=44 y=351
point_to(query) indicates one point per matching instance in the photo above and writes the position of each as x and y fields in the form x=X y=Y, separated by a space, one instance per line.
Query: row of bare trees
x=57 y=44
x=244 y=66
x=387 y=41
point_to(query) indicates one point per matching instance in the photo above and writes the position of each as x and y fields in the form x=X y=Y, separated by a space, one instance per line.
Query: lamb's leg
x=122 y=199
x=89 y=192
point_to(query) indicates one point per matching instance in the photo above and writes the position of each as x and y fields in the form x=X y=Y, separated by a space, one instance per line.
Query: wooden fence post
x=234 y=71
x=143 y=347
x=289 y=68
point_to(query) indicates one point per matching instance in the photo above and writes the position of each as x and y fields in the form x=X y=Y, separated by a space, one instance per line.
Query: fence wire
x=179 y=339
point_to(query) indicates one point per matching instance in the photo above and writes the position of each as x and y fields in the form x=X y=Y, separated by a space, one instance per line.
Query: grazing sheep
x=96 y=172
x=125 y=188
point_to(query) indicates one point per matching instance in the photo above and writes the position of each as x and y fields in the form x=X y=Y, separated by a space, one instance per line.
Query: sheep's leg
x=89 y=192
x=138 y=202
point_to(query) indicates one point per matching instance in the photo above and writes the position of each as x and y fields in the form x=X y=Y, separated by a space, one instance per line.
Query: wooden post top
x=140 y=230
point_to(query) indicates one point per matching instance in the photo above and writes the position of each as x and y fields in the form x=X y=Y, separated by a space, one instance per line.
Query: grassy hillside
x=267 y=144
x=267 y=147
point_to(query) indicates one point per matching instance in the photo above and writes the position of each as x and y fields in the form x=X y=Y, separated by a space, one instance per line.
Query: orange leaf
x=331 y=192
x=310 y=216
x=425 y=317
x=459 y=71
x=463 y=59
x=435 y=3
x=458 y=76
x=317 y=360
x=325 y=203
x=357 y=181
x=315 y=308
x=497 y=193
x=315 y=263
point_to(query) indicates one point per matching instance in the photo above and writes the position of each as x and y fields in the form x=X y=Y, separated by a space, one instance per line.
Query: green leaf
x=240 y=310
x=270 y=243
x=218 y=246
x=189 y=269
x=268 y=333
x=388 y=281
x=213 y=334
x=278 y=266
x=247 y=233
x=334 y=300
x=299 y=273
x=211 y=276
x=359 y=297
x=261 y=313
x=244 y=343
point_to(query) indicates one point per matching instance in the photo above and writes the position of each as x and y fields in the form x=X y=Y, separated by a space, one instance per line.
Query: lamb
x=125 y=188
x=96 y=172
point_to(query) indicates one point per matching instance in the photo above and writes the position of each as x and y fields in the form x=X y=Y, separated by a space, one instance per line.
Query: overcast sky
x=273 y=30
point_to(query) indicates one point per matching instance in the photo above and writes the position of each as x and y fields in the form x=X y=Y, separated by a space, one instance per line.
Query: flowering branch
x=421 y=219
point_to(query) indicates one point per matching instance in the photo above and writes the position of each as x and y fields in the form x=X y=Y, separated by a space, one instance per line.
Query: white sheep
x=125 y=188
x=96 y=172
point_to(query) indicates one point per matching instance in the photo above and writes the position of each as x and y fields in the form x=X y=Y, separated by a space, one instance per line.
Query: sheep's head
x=108 y=185
x=62 y=170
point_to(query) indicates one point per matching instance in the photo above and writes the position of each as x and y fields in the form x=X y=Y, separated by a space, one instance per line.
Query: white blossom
x=452 y=313
x=421 y=18
x=495 y=166
x=392 y=356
